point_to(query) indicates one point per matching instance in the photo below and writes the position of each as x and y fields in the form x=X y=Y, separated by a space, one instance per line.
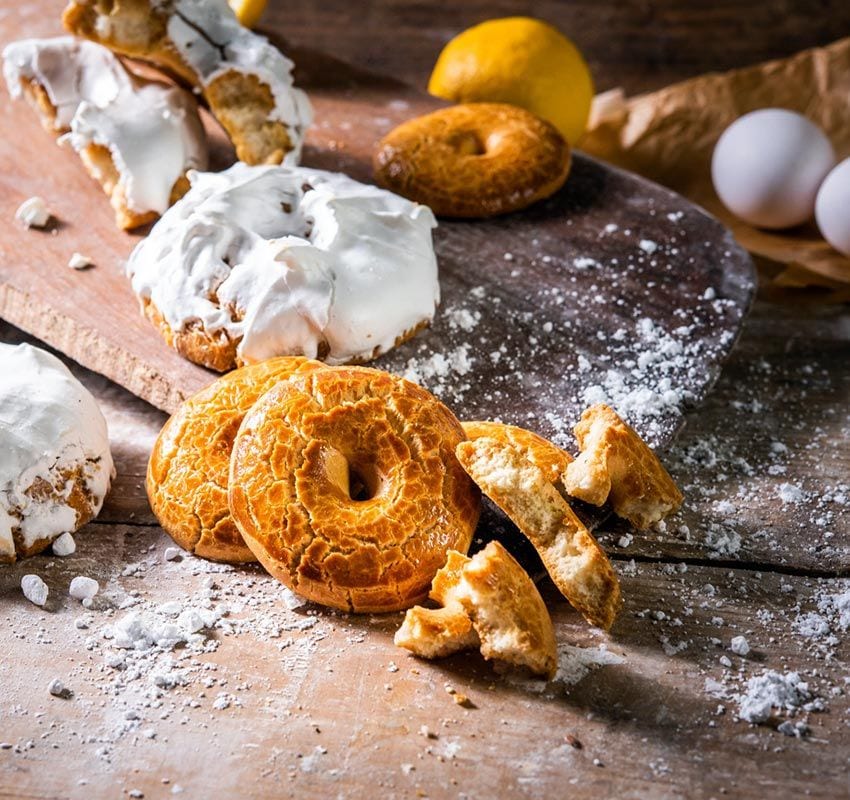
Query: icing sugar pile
x=773 y=691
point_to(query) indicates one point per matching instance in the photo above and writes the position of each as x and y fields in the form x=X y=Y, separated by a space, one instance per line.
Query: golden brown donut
x=189 y=465
x=473 y=160
x=539 y=451
x=344 y=483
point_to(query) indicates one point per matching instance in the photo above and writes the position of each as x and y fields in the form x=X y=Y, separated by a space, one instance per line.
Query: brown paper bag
x=669 y=136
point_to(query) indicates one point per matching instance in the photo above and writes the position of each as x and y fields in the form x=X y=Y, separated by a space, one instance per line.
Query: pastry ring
x=474 y=160
x=345 y=485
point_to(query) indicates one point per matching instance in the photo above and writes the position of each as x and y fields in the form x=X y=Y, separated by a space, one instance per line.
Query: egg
x=768 y=165
x=832 y=208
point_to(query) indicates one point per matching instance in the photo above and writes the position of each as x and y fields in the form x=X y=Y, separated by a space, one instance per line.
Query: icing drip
x=211 y=41
x=287 y=259
x=152 y=132
x=49 y=424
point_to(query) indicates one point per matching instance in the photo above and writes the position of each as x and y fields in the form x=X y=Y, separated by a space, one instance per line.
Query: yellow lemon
x=521 y=61
x=248 y=12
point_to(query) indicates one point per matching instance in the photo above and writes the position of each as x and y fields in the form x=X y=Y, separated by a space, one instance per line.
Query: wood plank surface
x=331 y=708
x=577 y=292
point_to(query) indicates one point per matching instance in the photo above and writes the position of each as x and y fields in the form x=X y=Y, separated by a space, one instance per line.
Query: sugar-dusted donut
x=246 y=81
x=345 y=485
x=55 y=464
x=136 y=138
x=189 y=464
x=257 y=262
x=473 y=160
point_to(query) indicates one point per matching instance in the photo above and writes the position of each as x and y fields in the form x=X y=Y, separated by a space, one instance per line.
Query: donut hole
x=355 y=480
x=467 y=143
x=364 y=483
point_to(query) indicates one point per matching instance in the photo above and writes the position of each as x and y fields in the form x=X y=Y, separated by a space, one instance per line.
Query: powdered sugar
x=772 y=691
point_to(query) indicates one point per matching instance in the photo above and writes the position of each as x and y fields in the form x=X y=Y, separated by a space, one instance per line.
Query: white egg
x=832 y=208
x=768 y=165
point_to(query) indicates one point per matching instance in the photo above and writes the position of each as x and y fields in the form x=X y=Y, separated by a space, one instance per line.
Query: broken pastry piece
x=437 y=632
x=490 y=602
x=539 y=451
x=137 y=139
x=615 y=464
x=245 y=80
x=573 y=558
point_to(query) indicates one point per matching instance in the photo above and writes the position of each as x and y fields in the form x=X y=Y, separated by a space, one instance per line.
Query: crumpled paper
x=669 y=136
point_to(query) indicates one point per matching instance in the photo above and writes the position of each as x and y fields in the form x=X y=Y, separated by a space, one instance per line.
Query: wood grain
x=649 y=724
x=545 y=310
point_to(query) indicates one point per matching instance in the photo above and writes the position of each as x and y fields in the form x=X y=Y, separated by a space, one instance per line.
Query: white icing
x=152 y=132
x=341 y=262
x=48 y=423
x=211 y=41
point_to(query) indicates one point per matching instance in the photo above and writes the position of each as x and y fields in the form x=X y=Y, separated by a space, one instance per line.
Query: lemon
x=521 y=61
x=248 y=12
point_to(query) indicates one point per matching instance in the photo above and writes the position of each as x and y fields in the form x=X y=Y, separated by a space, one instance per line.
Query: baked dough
x=257 y=262
x=246 y=81
x=474 y=160
x=55 y=464
x=344 y=484
x=539 y=451
x=572 y=557
x=137 y=139
x=615 y=464
x=190 y=462
x=507 y=616
x=437 y=632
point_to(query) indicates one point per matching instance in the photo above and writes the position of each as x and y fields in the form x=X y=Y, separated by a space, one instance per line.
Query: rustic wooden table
x=286 y=700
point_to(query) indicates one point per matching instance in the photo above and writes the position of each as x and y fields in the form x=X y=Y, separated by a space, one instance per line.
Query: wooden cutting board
x=613 y=289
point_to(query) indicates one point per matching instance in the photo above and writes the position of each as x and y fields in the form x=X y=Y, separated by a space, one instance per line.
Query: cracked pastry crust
x=572 y=557
x=539 y=451
x=344 y=484
x=190 y=462
x=615 y=464
x=488 y=602
x=246 y=81
x=473 y=160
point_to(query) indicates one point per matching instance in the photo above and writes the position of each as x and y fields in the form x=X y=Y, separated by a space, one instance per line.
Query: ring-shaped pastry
x=474 y=160
x=345 y=484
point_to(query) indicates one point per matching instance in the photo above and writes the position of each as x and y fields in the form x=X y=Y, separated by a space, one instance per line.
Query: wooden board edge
x=88 y=348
